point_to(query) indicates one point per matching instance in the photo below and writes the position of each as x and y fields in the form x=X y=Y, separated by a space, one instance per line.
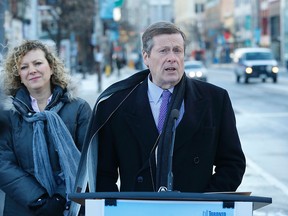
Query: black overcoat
x=207 y=156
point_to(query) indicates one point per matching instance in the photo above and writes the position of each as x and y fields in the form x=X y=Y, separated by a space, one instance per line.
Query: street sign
x=118 y=3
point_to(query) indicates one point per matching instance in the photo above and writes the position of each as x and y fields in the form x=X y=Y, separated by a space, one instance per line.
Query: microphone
x=174 y=116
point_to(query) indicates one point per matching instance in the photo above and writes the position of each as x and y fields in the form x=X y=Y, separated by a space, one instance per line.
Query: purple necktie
x=163 y=109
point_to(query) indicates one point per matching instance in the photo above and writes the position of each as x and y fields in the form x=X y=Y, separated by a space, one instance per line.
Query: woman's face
x=35 y=71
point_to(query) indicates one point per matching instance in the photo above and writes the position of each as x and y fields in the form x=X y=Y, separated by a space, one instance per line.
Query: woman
x=3 y=119
x=40 y=154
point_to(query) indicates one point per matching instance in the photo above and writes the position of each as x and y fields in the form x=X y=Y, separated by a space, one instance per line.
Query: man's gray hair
x=159 y=28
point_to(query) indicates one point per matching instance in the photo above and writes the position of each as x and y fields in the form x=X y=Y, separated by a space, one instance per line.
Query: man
x=125 y=141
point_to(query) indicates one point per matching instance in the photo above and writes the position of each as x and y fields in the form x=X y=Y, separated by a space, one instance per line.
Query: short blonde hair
x=12 y=60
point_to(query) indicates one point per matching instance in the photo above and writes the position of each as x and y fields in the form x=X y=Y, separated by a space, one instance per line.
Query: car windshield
x=259 y=56
x=192 y=66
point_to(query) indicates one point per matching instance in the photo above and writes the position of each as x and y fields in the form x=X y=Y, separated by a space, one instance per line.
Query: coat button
x=196 y=160
x=139 y=179
x=29 y=114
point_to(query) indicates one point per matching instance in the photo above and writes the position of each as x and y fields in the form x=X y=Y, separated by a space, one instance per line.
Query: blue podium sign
x=168 y=208
x=169 y=203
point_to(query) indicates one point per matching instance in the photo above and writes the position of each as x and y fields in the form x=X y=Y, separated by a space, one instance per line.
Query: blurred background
x=214 y=28
x=100 y=42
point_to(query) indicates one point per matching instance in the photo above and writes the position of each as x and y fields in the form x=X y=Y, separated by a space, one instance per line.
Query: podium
x=169 y=203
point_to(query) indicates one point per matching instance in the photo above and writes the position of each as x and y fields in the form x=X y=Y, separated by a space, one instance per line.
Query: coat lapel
x=141 y=121
x=196 y=105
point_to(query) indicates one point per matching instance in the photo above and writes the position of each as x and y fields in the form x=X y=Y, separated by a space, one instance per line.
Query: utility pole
x=255 y=28
x=34 y=20
x=284 y=32
x=97 y=42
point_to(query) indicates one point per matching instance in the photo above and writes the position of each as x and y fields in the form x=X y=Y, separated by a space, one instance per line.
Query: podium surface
x=169 y=203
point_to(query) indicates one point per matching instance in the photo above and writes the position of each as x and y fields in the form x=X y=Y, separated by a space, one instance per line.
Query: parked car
x=195 y=69
x=255 y=63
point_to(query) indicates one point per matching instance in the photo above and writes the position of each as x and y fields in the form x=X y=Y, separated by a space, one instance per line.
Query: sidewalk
x=88 y=87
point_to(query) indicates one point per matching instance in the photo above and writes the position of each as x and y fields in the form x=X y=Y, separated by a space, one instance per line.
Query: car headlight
x=199 y=74
x=248 y=70
x=192 y=74
x=275 y=69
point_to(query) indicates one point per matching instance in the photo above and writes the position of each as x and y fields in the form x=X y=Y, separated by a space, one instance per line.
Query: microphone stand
x=175 y=115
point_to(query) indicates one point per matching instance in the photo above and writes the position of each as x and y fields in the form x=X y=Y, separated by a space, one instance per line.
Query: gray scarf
x=62 y=140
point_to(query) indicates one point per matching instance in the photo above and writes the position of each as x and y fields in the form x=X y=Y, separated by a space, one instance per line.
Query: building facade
x=218 y=26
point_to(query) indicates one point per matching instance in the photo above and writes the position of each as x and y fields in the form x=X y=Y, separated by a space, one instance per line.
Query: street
x=262 y=114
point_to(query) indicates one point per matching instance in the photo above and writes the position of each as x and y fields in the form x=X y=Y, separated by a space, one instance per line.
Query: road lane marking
x=269 y=178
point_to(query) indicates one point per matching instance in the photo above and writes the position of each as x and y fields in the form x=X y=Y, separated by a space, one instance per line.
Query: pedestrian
x=119 y=63
x=134 y=145
x=39 y=155
x=98 y=58
x=80 y=69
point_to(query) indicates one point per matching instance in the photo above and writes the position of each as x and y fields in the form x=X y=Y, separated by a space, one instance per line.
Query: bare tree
x=70 y=16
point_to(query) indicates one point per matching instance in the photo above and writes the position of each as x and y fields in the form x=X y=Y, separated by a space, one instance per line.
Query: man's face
x=166 y=60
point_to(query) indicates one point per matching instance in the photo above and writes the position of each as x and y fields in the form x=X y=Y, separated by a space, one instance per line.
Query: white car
x=196 y=70
x=255 y=63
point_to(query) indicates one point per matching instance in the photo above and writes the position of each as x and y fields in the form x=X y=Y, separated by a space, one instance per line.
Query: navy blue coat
x=16 y=158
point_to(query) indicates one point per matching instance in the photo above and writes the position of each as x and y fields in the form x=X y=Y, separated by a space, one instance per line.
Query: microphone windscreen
x=175 y=114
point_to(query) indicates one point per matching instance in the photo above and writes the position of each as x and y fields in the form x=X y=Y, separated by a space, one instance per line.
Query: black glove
x=49 y=206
